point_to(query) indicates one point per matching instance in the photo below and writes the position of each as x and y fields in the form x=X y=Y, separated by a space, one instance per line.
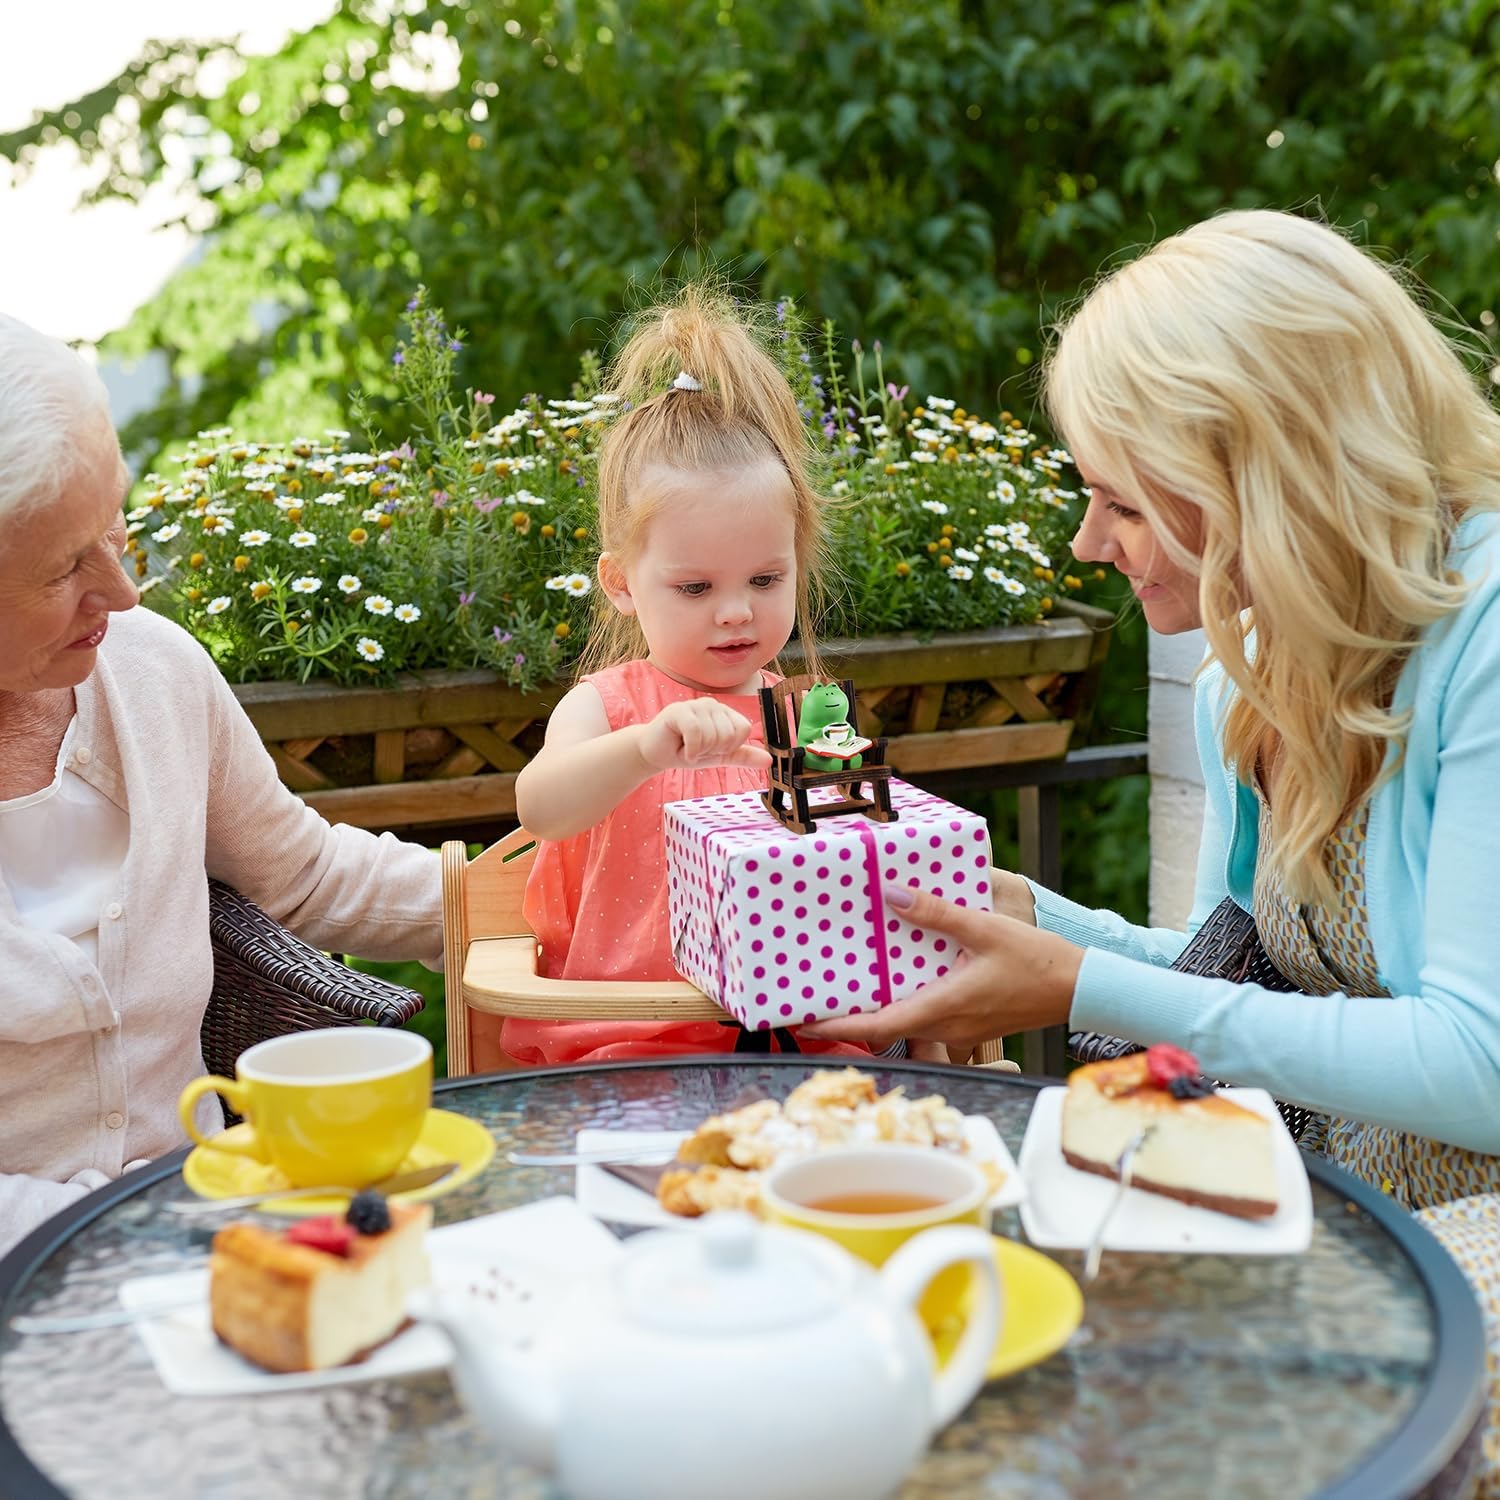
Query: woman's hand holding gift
x=698 y=733
x=1012 y=976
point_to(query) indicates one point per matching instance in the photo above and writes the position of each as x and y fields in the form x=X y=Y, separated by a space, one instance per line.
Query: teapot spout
x=510 y=1392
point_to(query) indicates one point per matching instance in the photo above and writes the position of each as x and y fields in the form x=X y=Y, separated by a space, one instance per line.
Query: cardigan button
x=114 y=1119
x=114 y=911
x=83 y=756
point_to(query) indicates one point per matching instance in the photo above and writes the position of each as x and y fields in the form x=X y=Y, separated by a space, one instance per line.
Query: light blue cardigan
x=1427 y=1059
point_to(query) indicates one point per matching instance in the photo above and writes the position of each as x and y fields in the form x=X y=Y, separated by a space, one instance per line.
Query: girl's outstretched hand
x=700 y=733
x=1010 y=977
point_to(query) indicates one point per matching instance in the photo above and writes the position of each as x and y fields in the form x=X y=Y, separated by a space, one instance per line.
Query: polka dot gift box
x=782 y=928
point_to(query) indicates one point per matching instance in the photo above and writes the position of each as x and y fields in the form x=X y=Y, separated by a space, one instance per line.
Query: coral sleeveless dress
x=598 y=901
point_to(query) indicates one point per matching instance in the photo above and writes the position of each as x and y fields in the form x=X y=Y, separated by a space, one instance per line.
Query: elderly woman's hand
x=1011 y=976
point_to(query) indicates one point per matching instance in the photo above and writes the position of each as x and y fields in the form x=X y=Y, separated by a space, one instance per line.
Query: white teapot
x=737 y=1360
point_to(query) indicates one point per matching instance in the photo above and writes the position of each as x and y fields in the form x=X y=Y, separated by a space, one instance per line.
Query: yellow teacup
x=873 y=1199
x=340 y=1106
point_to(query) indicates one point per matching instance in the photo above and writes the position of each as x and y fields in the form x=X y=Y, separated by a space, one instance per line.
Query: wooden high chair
x=490 y=965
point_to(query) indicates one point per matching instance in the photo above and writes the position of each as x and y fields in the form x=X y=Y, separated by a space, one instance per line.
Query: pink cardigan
x=92 y=1058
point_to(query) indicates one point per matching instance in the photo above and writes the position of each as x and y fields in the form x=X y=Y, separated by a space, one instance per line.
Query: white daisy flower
x=166 y=533
x=139 y=513
x=373 y=514
x=303 y=539
x=982 y=432
x=283 y=502
x=408 y=614
x=217 y=606
x=577 y=583
x=378 y=604
x=306 y=585
x=1005 y=492
x=1013 y=586
x=936 y=507
x=146 y=585
x=960 y=572
x=350 y=584
x=370 y=650
x=996 y=545
x=558 y=582
x=923 y=457
x=525 y=497
x=994 y=575
x=937 y=403
x=966 y=554
x=337 y=433
x=254 y=538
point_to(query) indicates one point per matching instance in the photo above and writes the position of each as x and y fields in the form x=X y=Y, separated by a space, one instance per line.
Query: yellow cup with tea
x=340 y=1106
x=873 y=1199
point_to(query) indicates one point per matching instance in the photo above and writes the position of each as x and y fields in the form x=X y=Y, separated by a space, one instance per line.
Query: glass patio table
x=1353 y=1371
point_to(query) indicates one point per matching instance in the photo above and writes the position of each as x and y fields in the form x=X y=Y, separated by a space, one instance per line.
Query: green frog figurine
x=823 y=713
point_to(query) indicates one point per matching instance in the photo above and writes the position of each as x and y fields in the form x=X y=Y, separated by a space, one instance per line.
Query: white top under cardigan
x=62 y=854
x=94 y=1054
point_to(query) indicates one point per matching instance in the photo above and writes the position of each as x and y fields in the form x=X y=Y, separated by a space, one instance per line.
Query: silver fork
x=1124 y=1167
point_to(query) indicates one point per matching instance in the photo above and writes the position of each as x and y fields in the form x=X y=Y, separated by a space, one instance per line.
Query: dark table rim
x=1446 y=1413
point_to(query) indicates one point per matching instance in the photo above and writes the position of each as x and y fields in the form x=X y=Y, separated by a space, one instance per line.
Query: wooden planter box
x=441 y=749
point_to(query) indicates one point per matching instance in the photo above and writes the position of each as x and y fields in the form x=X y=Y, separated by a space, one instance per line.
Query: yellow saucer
x=445 y=1137
x=1043 y=1306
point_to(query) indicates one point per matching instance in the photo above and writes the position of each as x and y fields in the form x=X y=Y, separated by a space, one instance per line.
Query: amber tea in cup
x=873 y=1199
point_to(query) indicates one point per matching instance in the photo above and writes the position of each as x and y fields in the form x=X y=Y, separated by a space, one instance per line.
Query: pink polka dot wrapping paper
x=783 y=928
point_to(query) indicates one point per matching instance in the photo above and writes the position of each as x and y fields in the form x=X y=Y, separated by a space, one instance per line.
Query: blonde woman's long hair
x=1264 y=372
x=744 y=415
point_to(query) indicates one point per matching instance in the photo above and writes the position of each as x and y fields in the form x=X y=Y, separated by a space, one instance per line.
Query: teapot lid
x=730 y=1276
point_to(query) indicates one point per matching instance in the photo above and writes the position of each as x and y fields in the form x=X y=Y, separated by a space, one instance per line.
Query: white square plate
x=524 y=1258
x=611 y=1198
x=1063 y=1206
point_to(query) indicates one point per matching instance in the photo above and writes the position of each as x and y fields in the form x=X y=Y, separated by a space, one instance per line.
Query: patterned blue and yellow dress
x=1453 y=1192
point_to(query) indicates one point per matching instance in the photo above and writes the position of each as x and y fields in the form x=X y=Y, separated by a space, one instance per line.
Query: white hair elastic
x=685 y=382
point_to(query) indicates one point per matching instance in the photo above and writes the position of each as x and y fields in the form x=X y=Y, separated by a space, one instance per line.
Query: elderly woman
x=129 y=776
x=1282 y=449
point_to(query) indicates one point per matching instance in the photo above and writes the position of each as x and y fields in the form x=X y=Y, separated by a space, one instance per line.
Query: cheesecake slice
x=1203 y=1148
x=321 y=1294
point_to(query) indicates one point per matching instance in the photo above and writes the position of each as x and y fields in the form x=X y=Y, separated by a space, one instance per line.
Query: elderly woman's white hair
x=49 y=396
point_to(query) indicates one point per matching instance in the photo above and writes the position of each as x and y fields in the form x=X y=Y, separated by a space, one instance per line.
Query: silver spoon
x=588 y=1158
x=1124 y=1167
x=402 y=1182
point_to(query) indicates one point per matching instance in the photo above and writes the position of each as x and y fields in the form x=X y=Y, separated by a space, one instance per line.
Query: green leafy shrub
x=949 y=173
x=471 y=542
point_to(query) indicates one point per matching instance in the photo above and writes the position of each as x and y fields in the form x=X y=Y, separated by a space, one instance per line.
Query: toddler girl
x=712 y=538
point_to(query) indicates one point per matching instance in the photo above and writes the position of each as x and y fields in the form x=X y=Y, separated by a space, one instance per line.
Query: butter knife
x=1124 y=1168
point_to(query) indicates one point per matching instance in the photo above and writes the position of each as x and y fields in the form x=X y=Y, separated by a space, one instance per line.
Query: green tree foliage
x=942 y=174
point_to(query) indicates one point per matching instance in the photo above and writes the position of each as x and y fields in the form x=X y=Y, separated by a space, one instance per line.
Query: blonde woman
x=1283 y=450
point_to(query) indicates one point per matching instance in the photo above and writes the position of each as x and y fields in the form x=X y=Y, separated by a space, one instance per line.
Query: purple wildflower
x=485 y=504
x=481 y=398
x=440 y=498
x=398 y=358
x=405 y=451
x=501 y=636
x=805 y=357
x=520 y=659
x=857 y=347
x=829 y=428
x=465 y=600
x=412 y=305
x=781 y=310
x=893 y=393
x=454 y=345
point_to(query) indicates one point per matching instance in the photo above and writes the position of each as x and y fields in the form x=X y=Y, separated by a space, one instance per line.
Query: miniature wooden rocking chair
x=791 y=778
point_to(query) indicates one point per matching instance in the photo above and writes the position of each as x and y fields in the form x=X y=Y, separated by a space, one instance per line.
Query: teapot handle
x=907 y=1275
